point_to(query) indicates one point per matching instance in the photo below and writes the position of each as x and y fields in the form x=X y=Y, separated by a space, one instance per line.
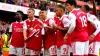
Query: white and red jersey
x=56 y=19
x=49 y=37
x=17 y=39
x=62 y=22
x=79 y=23
x=92 y=28
x=35 y=42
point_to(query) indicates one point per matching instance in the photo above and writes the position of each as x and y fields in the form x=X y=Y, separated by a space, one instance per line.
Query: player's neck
x=31 y=18
x=61 y=15
x=19 y=20
x=72 y=9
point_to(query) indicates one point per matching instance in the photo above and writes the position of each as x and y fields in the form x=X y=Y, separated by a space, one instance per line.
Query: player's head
x=19 y=15
x=60 y=10
x=85 y=8
x=43 y=13
x=30 y=13
x=70 y=5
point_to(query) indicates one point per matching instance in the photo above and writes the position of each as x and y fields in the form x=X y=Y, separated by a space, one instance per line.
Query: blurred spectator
x=1 y=26
x=33 y=4
x=10 y=1
x=52 y=6
x=15 y=2
x=25 y=3
x=42 y=4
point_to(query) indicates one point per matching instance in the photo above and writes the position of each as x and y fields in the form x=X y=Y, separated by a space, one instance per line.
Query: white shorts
x=94 y=48
x=80 y=48
x=16 y=51
x=63 y=50
x=31 y=52
x=51 y=51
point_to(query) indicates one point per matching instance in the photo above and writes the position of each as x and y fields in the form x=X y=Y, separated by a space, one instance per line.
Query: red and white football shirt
x=35 y=42
x=49 y=37
x=62 y=22
x=92 y=28
x=17 y=34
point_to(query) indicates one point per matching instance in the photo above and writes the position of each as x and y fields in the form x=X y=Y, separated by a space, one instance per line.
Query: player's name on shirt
x=18 y=29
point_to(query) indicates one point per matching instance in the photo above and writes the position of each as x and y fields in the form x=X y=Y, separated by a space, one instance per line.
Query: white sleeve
x=10 y=28
x=51 y=22
x=72 y=23
x=24 y=25
x=66 y=22
x=94 y=21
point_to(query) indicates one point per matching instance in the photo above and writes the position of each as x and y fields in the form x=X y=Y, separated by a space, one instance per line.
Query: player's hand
x=54 y=26
x=44 y=25
x=25 y=38
x=65 y=37
x=92 y=36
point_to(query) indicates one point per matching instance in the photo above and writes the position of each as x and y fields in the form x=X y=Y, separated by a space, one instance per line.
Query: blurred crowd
x=32 y=3
x=89 y=1
x=4 y=27
x=38 y=4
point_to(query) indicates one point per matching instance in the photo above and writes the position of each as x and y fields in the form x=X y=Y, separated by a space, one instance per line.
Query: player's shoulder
x=13 y=23
x=65 y=16
x=91 y=15
x=77 y=11
x=38 y=21
x=26 y=20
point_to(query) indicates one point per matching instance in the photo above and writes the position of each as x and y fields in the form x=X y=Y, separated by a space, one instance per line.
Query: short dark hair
x=87 y=7
x=62 y=7
x=43 y=9
x=31 y=9
x=20 y=12
x=72 y=2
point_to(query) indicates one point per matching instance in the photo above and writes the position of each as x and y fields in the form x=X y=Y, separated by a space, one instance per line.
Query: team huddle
x=77 y=32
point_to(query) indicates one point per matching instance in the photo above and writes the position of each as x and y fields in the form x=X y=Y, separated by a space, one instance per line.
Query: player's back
x=80 y=31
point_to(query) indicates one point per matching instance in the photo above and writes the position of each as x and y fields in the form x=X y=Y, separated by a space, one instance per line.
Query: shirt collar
x=19 y=22
x=74 y=9
x=32 y=19
x=62 y=16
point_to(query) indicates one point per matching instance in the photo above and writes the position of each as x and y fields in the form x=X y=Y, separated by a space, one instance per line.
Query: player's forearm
x=63 y=29
x=97 y=30
x=25 y=33
x=71 y=28
x=72 y=23
x=96 y=24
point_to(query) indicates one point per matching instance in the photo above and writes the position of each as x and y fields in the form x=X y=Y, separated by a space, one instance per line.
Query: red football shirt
x=62 y=22
x=91 y=28
x=35 y=42
x=49 y=37
x=80 y=32
x=17 y=34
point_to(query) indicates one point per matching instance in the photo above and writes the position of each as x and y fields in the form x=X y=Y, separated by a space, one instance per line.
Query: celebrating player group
x=76 y=33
